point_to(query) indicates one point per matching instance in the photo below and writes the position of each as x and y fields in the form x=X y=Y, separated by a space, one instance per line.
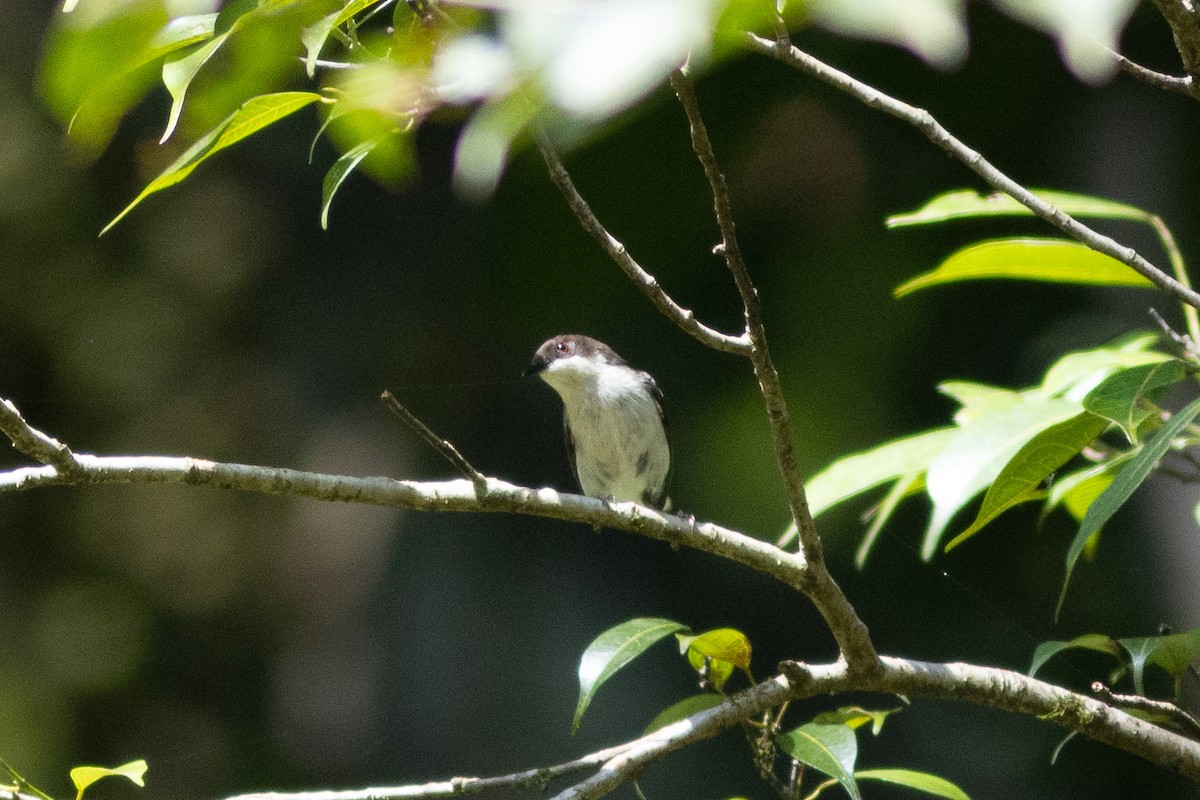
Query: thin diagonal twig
x=448 y=451
x=684 y=318
x=1185 y=722
x=33 y=443
x=843 y=621
x=785 y=51
x=1171 y=83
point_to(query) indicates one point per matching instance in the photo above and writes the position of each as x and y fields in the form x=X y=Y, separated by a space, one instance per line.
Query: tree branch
x=1184 y=20
x=924 y=121
x=684 y=318
x=447 y=450
x=1182 y=720
x=1170 y=83
x=537 y=778
x=847 y=627
x=32 y=442
x=454 y=495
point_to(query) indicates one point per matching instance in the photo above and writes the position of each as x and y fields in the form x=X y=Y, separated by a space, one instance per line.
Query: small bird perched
x=613 y=420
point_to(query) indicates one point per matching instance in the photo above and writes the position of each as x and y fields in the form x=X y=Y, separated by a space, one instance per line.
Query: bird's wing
x=662 y=501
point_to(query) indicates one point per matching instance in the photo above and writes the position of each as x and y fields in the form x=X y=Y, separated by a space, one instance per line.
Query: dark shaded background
x=242 y=642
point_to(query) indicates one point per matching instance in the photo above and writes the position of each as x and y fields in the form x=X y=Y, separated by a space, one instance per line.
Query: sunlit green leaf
x=254 y=115
x=83 y=777
x=855 y=717
x=967 y=203
x=831 y=749
x=858 y=472
x=684 y=709
x=1128 y=397
x=340 y=170
x=314 y=36
x=719 y=650
x=177 y=75
x=976 y=454
x=1123 y=486
x=1088 y=641
x=1053 y=260
x=1080 y=371
x=1022 y=477
x=921 y=781
x=612 y=650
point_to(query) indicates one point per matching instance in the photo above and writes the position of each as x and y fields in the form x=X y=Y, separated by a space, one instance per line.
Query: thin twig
x=1175 y=256
x=685 y=318
x=1171 y=83
x=925 y=122
x=1184 y=343
x=844 y=622
x=32 y=442
x=1184 y=21
x=538 y=778
x=1182 y=720
x=448 y=451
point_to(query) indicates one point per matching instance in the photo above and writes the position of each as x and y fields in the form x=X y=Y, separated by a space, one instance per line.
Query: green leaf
x=722 y=649
x=340 y=170
x=314 y=36
x=83 y=777
x=1022 y=477
x=831 y=749
x=1054 y=260
x=1123 y=486
x=1088 y=641
x=854 y=717
x=864 y=470
x=1173 y=652
x=177 y=75
x=858 y=472
x=684 y=709
x=976 y=454
x=1128 y=397
x=966 y=204
x=254 y=115
x=1080 y=371
x=921 y=781
x=612 y=650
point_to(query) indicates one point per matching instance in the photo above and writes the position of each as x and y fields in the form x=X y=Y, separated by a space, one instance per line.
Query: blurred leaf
x=1128 y=397
x=854 y=717
x=978 y=399
x=684 y=709
x=831 y=749
x=1173 y=652
x=612 y=650
x=969 y=204
x=1088 y=641
x=1123 y=486
x=921 y=781
x=314 y=36
x=976 y=454
x=1079 y=372
x=339 y=172
x=1053 y=260
x=90 y=75
x=484 y=144
x=254 y=115
x=1022 y=477
x=83 y=777
x=934 y=30
x=1088 y=32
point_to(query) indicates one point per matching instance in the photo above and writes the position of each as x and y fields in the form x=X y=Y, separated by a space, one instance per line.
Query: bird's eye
x=562 y=347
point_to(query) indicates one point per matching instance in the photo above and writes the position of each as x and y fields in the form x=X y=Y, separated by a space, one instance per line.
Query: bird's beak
x=538 y=364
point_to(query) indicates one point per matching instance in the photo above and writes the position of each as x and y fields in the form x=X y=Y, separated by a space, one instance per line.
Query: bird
x=613 y=420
